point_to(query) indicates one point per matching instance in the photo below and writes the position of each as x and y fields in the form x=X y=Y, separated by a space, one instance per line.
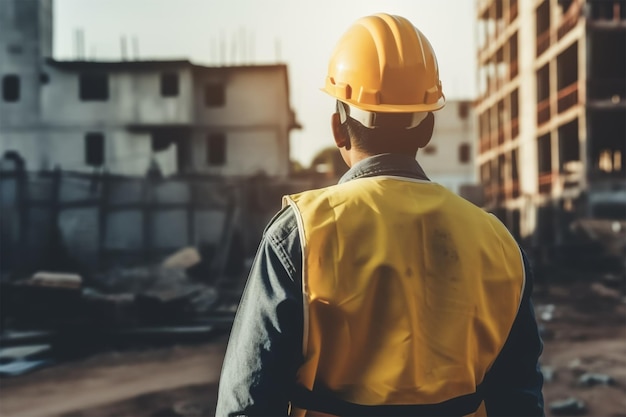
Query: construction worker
x=386 y=294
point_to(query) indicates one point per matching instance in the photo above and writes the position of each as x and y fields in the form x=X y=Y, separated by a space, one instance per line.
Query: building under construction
x=552 y=114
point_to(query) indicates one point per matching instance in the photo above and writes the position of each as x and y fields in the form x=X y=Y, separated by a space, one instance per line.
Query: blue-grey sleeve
x=265 y=346
x=513 y=385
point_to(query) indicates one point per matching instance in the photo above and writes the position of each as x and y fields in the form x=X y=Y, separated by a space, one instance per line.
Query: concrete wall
x=254 y=96
x=255 y=117
x=248 y=152
x=255 y=120
x=125 y=153
x=134 y=97
x=48 y=122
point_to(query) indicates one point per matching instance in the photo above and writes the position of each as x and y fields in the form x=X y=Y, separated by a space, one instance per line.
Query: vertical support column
x=21 y=185
x=584 y=121
x=146 y=211
x=103 y=212
x=527 y=41
x=55 y=249
x=191 y=212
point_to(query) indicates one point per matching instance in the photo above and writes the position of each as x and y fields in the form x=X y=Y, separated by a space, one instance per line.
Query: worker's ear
x=424 y=131
x=340 y=133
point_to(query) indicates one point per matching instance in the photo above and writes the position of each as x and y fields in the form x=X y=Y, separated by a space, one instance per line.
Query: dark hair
x=385 y=139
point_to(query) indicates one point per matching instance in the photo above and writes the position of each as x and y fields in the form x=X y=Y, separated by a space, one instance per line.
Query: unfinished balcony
x=545 y=179
x=544 y=40
x=571 y=16
x=543 y=95
x=567 y=97
x=570 y=164
x=543 y=112
x=567 y=78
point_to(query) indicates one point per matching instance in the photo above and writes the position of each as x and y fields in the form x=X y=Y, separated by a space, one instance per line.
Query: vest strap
x=327 y=403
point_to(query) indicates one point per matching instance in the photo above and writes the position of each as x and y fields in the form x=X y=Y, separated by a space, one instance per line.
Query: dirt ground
x=586 y=334
x=584 y=331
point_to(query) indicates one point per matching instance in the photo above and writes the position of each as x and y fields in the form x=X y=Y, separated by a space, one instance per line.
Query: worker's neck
x=357 y=155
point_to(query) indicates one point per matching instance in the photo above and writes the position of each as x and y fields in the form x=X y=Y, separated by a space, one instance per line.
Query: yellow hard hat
x=384 y=64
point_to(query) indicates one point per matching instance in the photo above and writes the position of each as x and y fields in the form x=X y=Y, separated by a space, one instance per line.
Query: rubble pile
x=51 y=314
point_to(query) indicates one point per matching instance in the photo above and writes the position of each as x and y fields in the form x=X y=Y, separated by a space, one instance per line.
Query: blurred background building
x=126 y=117
x=122 y=162
x=552 y=114
x=449 y=159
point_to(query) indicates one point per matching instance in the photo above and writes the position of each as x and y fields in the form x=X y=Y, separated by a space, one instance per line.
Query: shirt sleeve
x=265 y=346
x=513 y=385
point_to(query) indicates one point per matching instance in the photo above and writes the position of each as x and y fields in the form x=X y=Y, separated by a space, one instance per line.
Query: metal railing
x=513 y=69
x=543 y=111
x=545 y=181
x=543 y=42
x=567 y=97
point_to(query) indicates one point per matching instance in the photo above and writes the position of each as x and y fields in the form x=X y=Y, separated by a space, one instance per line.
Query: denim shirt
x=265 y=347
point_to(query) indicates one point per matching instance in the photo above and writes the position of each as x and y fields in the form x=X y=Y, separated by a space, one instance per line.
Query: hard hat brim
x=391 y=108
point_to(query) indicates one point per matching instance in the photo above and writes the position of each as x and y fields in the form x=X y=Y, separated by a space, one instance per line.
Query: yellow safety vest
x=409 y=292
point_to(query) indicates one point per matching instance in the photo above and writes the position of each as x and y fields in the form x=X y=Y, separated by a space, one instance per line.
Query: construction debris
x=187 y=297
x=53 y=279
x=609 y=236
x=590 y=379
x=546 y=312
x=576 y=365
x=183 y=259
x=23 y=366
x=549 y=374
x=10 y=338
x=20 y=360
x=604 y=291
x=568 y=407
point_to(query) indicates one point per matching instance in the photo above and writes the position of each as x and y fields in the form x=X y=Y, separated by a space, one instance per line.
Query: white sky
x=297 y=32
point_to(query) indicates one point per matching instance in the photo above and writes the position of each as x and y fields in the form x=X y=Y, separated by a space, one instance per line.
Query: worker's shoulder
x=315 y=193
x=282 y=225
x=306 y=202
x=463 y=208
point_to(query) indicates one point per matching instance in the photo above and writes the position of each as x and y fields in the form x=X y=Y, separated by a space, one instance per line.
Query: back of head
x=385 y=76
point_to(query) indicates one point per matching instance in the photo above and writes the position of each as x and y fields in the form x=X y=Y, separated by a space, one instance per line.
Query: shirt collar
x=385 y=164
